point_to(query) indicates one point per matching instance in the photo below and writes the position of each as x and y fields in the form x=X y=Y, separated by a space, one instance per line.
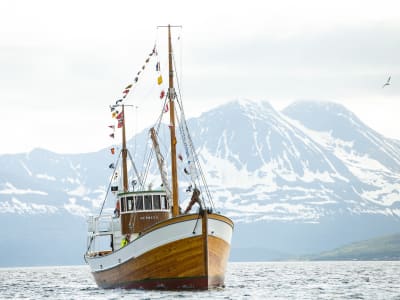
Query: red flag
x=126 y=91
x=166 y=108
x=120 y=123
x=162 y=94
x=120 y=115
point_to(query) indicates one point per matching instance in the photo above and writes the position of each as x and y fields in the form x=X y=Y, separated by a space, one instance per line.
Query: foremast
x=124 y=153
x=171 y=97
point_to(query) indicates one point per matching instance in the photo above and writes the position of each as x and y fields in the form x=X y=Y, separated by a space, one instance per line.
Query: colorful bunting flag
x=112 y=126
x=112 y=150
x=166 y=108
x=111 y=166
x=120 y=116
x=112 y=135
x=120 y=123
x=129 y=86
x=162 y=94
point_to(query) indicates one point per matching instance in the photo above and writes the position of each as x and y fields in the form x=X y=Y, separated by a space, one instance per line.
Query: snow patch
x=76 y=209
x=18 y=207
x=46 y=177
x=11 y=190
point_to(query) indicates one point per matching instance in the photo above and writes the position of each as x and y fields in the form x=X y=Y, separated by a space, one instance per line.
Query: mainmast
x=124 y=154
x=171 y=96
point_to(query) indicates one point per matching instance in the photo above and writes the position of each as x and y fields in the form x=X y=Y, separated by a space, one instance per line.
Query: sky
x=62 y=63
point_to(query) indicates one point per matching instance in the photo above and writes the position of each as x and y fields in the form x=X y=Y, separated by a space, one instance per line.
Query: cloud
x=62 y=63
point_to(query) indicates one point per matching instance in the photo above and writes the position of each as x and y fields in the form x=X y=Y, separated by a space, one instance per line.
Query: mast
x=171 y=96
x=124 y=154
x=160 y=161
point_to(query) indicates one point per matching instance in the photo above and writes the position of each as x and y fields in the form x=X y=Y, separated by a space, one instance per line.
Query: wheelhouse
x=140 y=210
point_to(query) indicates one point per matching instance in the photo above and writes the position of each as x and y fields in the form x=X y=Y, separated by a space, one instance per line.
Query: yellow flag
x=159 y=80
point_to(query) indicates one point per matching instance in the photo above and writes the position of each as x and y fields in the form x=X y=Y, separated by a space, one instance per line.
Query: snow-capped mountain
x=312 y=160
x=307 y=178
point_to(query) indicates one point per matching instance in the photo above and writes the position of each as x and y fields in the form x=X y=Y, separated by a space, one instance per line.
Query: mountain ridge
x=285 y=174
x=380 y=248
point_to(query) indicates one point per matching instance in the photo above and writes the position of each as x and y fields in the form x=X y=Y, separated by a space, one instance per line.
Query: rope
x=109 y=185
x=189 y=143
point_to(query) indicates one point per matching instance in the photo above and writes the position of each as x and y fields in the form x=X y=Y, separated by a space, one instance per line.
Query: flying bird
x=387 y=82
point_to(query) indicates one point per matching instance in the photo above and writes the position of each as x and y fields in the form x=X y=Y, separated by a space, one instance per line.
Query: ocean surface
x=255 y=280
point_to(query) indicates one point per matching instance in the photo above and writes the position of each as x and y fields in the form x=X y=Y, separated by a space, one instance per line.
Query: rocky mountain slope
x=303 y=180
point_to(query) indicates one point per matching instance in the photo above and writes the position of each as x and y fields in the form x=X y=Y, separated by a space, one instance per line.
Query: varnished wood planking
x=218 y=255
x=189 y=260
x=141 y=220
x=182 y=258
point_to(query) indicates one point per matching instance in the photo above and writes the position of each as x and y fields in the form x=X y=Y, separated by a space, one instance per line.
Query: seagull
x=387 y=82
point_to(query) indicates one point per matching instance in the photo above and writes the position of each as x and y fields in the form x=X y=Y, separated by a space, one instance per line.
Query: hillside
x=381 y=248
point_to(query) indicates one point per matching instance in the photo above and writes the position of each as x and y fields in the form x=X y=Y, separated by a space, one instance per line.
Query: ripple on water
x=266 y=280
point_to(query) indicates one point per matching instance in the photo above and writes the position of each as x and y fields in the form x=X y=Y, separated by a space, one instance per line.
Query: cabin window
x=156 y=202
x=147 y=202
x=164 y=204
x=123 y=204
x=129 y=203
x=139 y=202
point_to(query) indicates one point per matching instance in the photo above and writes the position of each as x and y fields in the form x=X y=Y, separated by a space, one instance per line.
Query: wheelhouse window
x=164 y=204
x=129 y=203
x=156 y=202
x=147 y=202
x=123 y=204
x=139 y=202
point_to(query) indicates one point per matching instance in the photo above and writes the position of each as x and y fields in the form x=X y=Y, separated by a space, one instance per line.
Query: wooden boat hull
x=186 y=252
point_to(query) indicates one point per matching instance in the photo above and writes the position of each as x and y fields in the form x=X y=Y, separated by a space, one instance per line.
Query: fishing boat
x=150 y=241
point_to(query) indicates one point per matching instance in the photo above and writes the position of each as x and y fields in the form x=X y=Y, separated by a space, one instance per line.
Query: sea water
x=254 y=280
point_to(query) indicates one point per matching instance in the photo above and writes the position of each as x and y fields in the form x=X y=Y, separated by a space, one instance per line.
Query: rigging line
x=197 y=220
x=177 y=83
x=194 y=154
x=196 y=160
x=135 y=129
x=134 y=168
x=90 y=245
x=157 y=126
x=132 y=224
x=109 y=185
